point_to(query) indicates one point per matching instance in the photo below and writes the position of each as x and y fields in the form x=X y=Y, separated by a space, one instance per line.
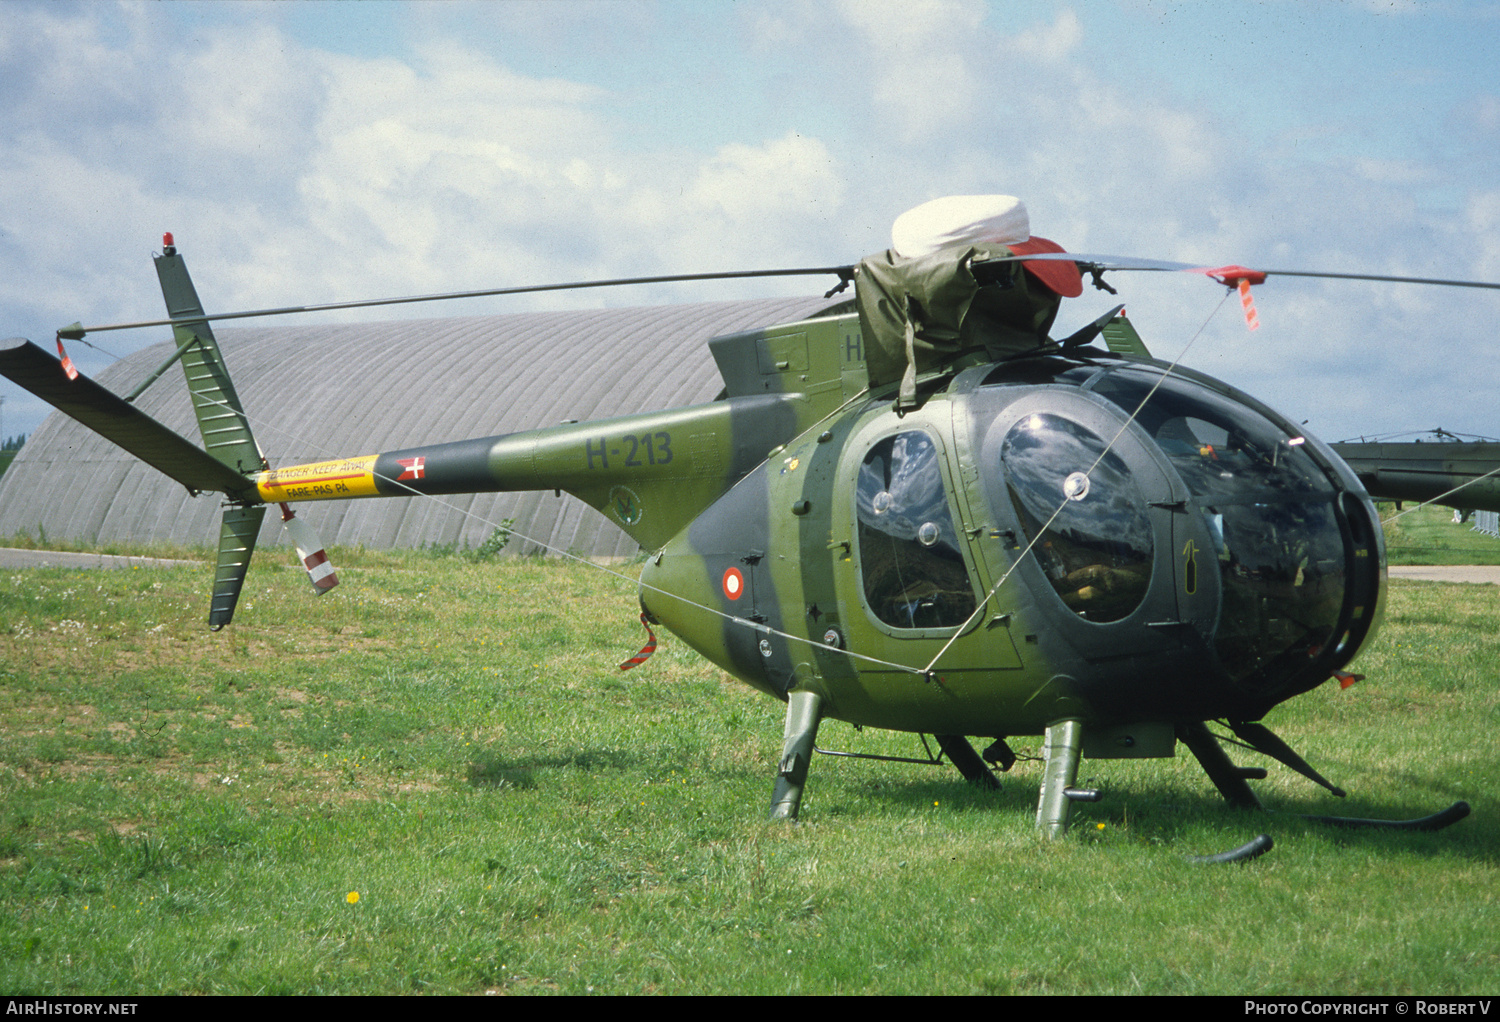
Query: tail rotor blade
x=120 y=422
x=221 y=417
x=237 y=537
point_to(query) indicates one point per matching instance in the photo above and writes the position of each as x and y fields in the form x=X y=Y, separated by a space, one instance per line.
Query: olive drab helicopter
x=919 y=512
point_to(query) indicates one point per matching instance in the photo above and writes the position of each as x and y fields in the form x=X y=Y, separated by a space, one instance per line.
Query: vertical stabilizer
x=1121 y=336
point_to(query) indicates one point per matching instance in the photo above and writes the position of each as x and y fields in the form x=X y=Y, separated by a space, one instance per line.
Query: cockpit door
x=905 y=573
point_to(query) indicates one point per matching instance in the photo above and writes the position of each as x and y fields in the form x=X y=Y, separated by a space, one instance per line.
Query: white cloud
x=920 y=60
x=462 y=173
x=751 y=195
x=419 y=171
x=1052 y=42
x=1482 y=229
x=292 y=173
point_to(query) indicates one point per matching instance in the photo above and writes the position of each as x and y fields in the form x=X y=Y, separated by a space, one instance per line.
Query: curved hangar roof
x=318 y=392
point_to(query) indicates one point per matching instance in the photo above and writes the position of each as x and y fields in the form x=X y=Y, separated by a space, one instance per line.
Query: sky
x=317 y=152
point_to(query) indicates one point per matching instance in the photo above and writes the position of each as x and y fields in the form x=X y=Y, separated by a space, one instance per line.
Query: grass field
x=435 y=780
x=1429 y=535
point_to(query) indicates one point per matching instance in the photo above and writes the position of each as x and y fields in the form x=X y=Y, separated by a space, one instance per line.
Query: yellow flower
x=1099 y=826
x=352 y=897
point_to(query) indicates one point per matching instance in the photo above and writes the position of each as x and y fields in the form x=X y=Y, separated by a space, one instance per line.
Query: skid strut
x=1062 y=751
x=803 y=712
x=1228 y=778
x=962 y=755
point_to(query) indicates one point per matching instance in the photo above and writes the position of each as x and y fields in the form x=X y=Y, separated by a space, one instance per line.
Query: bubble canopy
x=1148 y=495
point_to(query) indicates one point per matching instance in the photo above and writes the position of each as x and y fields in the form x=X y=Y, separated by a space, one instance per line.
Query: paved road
x=1448 y=572
x=10 y=557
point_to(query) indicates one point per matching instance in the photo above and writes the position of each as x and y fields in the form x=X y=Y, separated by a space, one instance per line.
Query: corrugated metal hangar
x=319 y=392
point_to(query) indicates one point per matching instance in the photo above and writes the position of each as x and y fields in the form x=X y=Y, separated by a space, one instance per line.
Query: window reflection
x=1268 y=507
x=1219 y=446
x=1283 y=570
x=1084 y=512
x=914 y=574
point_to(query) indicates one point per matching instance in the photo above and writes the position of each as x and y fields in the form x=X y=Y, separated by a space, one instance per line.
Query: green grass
x=1429 y=535
x=188 y=812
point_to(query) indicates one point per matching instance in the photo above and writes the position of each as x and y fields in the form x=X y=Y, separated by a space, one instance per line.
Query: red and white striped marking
x=320 y=570
x=310 y=551
x=646 y=650
x=67 y=363
x=1240 y=277
x=1252 y=321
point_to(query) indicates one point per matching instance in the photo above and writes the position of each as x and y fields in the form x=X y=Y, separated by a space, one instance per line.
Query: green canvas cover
x=923 y=314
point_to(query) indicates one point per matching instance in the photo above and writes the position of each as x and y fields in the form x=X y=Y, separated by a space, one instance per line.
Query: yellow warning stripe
x=322 y=480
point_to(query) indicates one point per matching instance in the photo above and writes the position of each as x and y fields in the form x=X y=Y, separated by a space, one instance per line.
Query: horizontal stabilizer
x=120 y=422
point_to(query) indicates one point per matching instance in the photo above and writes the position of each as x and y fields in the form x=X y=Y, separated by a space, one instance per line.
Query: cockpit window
x=914 y=573
x=1083 y=513
x=1270 y=516
x=1222 y=448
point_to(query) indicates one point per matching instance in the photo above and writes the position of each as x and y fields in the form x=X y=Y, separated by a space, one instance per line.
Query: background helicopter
x=961 y=528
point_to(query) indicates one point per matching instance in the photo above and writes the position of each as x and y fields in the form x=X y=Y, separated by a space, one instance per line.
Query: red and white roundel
x=734 y=583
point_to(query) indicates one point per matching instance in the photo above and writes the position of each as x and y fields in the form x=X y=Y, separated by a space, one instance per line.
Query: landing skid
x=1230 y=779
x=1252 y=849
x=1062 y=753
x=1437 y=821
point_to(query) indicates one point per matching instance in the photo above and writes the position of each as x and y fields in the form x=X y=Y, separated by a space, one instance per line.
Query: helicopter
x=917 y=511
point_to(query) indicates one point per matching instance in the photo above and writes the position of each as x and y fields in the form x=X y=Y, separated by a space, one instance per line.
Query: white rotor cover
x=960 y=219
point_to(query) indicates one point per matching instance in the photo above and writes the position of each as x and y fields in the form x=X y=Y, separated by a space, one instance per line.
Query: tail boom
x=650 y=473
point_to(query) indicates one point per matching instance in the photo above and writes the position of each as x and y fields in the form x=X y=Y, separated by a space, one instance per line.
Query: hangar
x=317 y=392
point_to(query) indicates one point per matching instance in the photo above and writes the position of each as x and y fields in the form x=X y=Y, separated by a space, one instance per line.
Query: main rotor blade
x=1376 y=276
x=76 y=331
x=1089 y=263
x=1105 y=262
